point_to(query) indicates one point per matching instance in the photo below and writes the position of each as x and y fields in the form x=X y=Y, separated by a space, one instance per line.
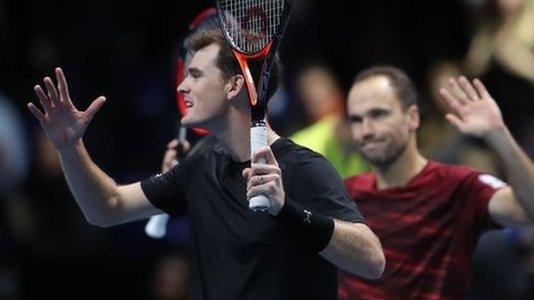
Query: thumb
x=94 y=107
x=172 y=144
x=246 y=172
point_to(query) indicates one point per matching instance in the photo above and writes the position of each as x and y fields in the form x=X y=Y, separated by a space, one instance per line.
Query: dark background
x=125 y=50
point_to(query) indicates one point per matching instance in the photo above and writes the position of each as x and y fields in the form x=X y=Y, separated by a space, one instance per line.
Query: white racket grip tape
x=258 y=139
x=157 y=226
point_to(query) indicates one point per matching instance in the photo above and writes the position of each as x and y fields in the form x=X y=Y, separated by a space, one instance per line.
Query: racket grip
x=258 y=139
x=157 y=226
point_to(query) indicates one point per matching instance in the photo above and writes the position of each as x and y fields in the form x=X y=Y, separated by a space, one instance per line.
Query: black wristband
x=315 y=230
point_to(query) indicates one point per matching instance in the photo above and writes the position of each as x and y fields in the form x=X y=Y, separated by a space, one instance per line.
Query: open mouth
x=188 y=103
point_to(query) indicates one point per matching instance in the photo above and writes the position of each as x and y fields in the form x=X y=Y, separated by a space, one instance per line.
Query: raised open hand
x=475 y=111
x=62 y=122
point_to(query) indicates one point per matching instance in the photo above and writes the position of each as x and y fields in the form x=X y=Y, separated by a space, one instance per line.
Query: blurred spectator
x=438 y=139
x=504 y=265
x=329 y=134
x=110 y=53
x=13 y=170
x=505 y=37
x=170 y=277
x=13 y=148
x=44 y=218
x=502 y=53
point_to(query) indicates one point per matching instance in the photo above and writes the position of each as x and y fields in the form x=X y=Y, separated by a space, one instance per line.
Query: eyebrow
x=354 y=117
x=377 y=109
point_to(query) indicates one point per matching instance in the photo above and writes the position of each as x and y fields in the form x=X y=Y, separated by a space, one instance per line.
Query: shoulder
x=448 y=172
x=198 y=156
x=292 y=154
x=300 y=164
x=463 y=177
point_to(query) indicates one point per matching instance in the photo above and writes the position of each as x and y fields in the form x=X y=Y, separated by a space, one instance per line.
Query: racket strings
x=251 y=24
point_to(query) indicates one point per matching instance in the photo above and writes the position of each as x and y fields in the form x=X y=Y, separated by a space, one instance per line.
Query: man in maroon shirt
x=429 y=215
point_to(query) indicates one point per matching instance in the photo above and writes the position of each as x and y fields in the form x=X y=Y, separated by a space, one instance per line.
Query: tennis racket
x=157 y=225
x=254 y=30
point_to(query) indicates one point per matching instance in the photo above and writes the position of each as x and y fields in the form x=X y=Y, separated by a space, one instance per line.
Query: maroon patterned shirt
x=428 y=229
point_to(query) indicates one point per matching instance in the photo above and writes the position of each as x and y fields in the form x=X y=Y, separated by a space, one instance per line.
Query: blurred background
x=126 y=51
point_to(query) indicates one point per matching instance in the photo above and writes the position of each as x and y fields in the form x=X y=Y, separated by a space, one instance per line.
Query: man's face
x=379 y=125
x=204 y=89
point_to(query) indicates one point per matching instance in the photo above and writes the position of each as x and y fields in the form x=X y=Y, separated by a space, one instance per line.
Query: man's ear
x=235 y=86
x=414 y=115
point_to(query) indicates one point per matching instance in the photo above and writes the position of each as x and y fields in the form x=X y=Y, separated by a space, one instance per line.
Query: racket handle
x=258 y=139
x=157 y=226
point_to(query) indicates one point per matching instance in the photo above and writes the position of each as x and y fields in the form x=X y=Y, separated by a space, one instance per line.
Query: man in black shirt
x=287 y=253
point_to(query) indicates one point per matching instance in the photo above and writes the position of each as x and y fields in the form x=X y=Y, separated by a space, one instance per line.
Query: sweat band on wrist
x=315 y=230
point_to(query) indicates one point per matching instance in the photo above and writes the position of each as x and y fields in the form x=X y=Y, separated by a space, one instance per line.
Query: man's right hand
x=62 y=122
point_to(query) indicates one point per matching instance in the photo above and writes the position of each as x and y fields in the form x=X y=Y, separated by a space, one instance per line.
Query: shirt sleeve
x=317 y=185
x=166 y=191
x=478 y=189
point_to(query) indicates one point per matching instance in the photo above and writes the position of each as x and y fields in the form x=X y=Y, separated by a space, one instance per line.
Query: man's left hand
x=265 y=178
x=474 y=110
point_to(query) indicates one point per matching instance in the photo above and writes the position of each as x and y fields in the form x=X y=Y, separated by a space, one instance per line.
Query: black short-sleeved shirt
x=239 y=254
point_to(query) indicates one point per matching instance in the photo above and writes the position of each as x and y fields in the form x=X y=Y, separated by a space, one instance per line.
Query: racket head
x=250 y=26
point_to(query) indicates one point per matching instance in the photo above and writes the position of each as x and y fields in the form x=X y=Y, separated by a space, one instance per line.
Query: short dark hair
x=400 y=82
x=226 y=60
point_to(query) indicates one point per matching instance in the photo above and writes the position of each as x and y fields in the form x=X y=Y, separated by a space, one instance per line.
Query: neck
x=235 y=135
x=402 y=170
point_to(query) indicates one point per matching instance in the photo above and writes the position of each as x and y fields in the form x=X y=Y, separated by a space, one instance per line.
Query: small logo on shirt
x=307 y=217
x=158 y=175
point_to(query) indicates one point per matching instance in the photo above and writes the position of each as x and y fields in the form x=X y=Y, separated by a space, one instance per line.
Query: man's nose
x=367 y=128
x=183 y=87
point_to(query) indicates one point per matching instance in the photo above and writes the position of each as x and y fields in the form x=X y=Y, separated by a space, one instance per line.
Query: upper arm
x=128 y=204
x=505 y=209
x=133 y=202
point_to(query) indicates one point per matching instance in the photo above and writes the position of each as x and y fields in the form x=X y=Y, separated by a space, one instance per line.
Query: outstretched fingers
x=456 y=91
x=467 y=87
x=63 y=87
x=455 y=121
x=94 y=107
x=43 y=99
x=52 y=91
x=481 y=89
x=37 y=113
x=450 y=100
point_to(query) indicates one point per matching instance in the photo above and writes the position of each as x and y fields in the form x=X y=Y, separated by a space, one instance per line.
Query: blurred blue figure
x=13 y=147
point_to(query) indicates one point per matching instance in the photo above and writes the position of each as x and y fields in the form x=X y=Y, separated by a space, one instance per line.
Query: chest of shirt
x=219 y=214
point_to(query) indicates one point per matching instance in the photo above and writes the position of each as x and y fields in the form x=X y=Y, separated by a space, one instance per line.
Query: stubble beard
x=390 y=154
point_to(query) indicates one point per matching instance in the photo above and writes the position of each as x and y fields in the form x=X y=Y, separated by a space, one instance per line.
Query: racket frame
x=258 y=101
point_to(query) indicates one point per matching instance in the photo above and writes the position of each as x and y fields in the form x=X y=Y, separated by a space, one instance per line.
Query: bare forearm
x=355 y=248
x=518 y=167
x=94 y=191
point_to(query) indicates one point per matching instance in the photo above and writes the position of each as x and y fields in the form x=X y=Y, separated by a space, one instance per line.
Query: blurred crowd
x=126 y=51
